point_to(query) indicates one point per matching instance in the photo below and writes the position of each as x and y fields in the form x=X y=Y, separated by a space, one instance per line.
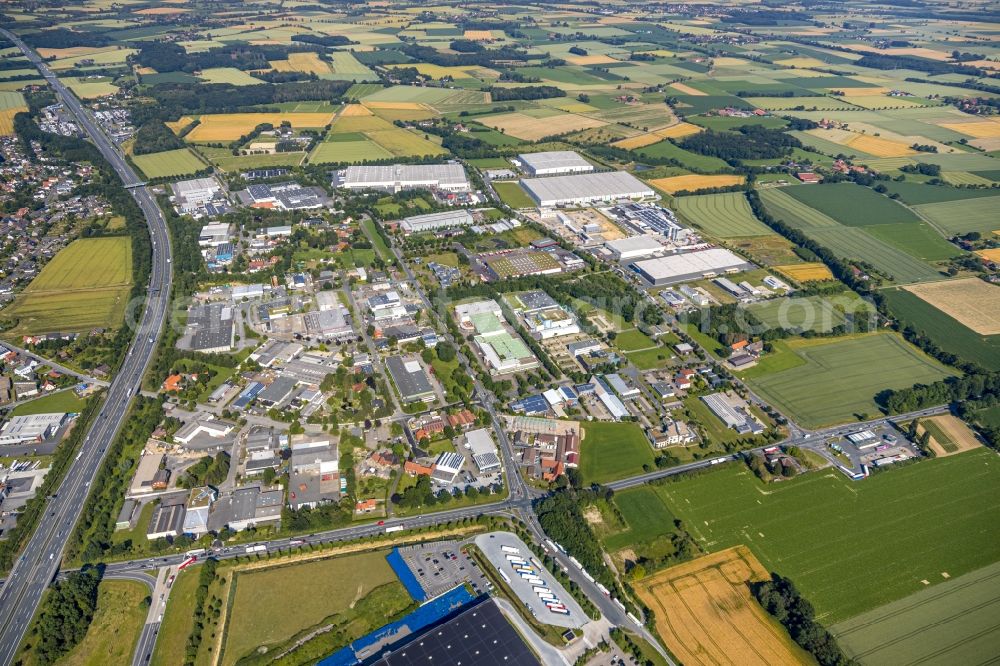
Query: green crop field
x=954 y=621
x=852 y=205
x=342 y=152
x=963 y=216
x=949 y=334
x=84 y=286
x=513 y=195
x=180 y=162
x=646 y=517
x=320 y=589
x=791 y=210
x=610 y=451
x=726 y=215
x=669 y=150
x=916 y=239
x=346 y=67
x=840 y=378
x=849 y=546
x=813 y=313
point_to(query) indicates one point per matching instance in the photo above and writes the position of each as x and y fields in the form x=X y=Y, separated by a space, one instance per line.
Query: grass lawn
x=177 y=619
x=513 y=195
x=306 y=593
x=84 y=286
x=633 y=340
x=853 y=546
x=611 y=451
x=648 y=359
x=114 y=631
x=443 y=258
x=180 y=162
x=646 y=516
x=377 y=241
x=840 y=379
x=63 y=401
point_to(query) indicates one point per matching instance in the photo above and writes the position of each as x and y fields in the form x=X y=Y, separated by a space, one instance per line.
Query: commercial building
x=554 y=162
x=276 y=392
x=205 y=434
x=616 y=408
x=166 y=521
x=214 y=235
x=196 y=191
x=196 y=512
x=447 y=466
x=634 y=247
x=690 y=266
x=734 y=412
x=210 y=327
x=585 y=189
x=31 y=428
x=410 y=379
x=283 y=196
x=397 y=177
x=314 y=474
x=451 y=219
x=245 y=507
x=484 y=450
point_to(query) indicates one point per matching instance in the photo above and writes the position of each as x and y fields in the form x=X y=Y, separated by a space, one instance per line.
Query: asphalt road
x=39 y=563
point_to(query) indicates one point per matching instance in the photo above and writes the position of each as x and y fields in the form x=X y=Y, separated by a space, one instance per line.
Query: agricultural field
x=231 y=75
x=944 y=330
x=910 y=529
x=85 y=286
x=851 y=205
x=180 y=162
x=307 y=63
x=694 y=182
x=954 y=621
x=806 y=272
x=232 y=126
x=322 y=588
x=818 y=314
x=972 y=302
x=724 y=215
x=705 y=613
x=962 y=216
x=835 y=381
x=948 y=435
x=610 y=451
x=11 y=103
x=530 y=128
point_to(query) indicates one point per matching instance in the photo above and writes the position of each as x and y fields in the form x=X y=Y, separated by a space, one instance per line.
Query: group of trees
x=780 y=598
x=749 y=142
x=176 y=99
x=208 y=471
x=501 y=94
x=933 y=67
x=155 y=137
x=951 y=389
x=561 y=516
x=66 y=614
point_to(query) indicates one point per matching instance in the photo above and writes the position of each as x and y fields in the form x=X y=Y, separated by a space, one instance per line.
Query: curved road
x=39 y=562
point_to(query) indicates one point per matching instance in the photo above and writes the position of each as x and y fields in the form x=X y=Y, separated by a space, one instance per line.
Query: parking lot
x=491 y=544
x=881 y=443
x=440 y=566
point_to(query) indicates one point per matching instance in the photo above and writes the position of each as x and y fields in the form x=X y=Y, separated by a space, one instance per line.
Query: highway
x=39 y=562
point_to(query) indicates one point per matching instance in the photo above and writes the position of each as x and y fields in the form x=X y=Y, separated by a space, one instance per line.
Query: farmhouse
x=585 y=189
x=554 y=162
x=690 y=266
x=454 y=219
x=398 y=177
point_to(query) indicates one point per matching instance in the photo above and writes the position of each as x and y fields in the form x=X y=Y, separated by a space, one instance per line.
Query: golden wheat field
x=970 y=301
x=231 y=126
x=695 y=181
x=807 y=272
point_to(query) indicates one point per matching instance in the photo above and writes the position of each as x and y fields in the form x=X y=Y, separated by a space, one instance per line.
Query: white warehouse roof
x=634 y=246
x=406 y=175
x=713 y=260
x=566 y=160
x=586 y=187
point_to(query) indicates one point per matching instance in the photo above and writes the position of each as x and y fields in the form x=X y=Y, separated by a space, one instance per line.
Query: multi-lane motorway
x=39 y=563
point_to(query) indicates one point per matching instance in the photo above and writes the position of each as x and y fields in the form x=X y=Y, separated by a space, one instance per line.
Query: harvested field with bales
x=694 y=182
x=971 y=301
x=231 y=126
x=705 y=613
x=806 y=272
x=532 y=129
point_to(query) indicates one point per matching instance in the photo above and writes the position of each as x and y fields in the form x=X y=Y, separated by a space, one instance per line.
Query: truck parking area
x=533 y=584
x=440 y=566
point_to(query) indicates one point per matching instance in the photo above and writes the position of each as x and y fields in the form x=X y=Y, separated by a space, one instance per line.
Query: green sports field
x=726 y=215
x=849 y=546
x=84 y=286
x=610 y=451
x=953 y=621
x=949 y=334
x=180 y=162
x=839 y=379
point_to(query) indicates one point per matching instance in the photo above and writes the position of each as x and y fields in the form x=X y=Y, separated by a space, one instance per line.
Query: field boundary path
x=41 y=557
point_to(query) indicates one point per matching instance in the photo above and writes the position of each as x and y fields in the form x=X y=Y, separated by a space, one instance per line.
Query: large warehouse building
x=585 y=188
x=634 y=247
x=690 y=266
x=397 y=177
x=449 y=219
x=554 y=162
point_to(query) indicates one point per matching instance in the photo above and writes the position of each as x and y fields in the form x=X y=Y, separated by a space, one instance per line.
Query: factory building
x=690 y=266
x=452 y=219
x=634 y=247
x=554 y=162
x=398 y=177
x=585 y=189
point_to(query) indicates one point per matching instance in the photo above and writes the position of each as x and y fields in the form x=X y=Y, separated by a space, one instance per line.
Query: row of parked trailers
x=527 y=571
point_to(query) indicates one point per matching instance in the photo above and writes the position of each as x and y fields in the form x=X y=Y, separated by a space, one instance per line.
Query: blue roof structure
x=404 y=575
x=533 y=404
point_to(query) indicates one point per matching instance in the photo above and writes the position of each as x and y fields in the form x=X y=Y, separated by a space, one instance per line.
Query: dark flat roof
x=479 y=635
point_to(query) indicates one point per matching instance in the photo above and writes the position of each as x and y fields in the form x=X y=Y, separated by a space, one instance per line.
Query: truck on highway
x=394 y=528
x=259 y=548
x=186 y=563
x=576 y=563
x=603 y=589
x=717 y=461
x=195 y=552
